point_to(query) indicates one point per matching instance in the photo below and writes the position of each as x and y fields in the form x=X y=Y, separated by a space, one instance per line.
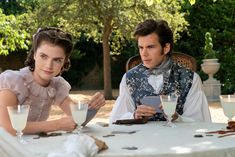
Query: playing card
x=153 y=101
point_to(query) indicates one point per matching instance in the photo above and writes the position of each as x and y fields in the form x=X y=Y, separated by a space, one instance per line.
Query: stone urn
x=210 y=67
x=211 y=86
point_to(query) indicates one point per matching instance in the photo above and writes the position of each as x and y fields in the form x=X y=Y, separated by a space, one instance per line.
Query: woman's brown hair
x=54 y=36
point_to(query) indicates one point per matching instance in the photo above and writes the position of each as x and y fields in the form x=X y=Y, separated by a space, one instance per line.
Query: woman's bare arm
x=8 y=98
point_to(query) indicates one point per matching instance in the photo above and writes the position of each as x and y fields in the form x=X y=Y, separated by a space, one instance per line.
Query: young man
x=158 y=75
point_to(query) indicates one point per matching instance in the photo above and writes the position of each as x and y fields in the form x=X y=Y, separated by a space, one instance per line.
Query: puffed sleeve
x=124 y=106
x=196 y=105
x=13 y=81
x=62 y=90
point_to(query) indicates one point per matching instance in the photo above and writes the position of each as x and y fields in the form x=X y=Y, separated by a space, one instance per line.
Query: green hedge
x=217 y=18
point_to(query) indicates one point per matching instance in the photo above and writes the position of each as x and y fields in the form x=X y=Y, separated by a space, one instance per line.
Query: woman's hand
x=66 y=124
x=97 y=101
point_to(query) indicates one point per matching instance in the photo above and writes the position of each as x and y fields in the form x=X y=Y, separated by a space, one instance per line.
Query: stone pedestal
x=212 y=87
x=212 y=90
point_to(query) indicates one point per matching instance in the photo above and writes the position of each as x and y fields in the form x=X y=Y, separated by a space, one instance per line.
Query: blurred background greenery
x=102 y=31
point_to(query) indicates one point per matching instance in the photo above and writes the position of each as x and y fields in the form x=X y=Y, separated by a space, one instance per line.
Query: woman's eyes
x=57 y=60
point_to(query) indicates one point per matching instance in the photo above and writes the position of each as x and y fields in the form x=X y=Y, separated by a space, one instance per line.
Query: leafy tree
x=101 y=19
x=10 y=7
x=12 y=36
x=16 y=23
x=17 y=7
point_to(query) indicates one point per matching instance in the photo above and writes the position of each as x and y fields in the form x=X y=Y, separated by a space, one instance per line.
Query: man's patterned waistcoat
x=177 y=79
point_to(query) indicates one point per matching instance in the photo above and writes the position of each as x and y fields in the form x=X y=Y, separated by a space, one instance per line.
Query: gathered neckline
x=35 y=88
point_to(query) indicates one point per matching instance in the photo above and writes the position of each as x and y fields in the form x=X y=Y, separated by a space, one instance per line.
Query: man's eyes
x=43 y=56
x=151 y=46
x=148 y=47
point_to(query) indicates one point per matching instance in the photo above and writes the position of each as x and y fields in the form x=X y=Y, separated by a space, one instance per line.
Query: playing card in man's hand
x=153 y=101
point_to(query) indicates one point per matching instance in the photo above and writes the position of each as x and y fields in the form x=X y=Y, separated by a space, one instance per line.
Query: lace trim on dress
x=35 y=88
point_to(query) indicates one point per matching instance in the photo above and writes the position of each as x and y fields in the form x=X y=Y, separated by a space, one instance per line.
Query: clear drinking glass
x=169 y=102
x=228 y=105
x=79 y=112
x=18 y=117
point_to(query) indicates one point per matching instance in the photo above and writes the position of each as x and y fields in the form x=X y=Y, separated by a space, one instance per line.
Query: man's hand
x=174 y=116
x=144 y=111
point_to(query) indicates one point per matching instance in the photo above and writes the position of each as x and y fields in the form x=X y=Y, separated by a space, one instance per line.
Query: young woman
x=39 y=85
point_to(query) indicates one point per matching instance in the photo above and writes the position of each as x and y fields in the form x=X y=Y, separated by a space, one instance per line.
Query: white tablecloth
x=151 y=139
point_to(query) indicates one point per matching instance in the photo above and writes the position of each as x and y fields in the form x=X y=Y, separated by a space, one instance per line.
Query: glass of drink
x=169 y=102
x=79 y=112
x=228 y=105
x=18 y=117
